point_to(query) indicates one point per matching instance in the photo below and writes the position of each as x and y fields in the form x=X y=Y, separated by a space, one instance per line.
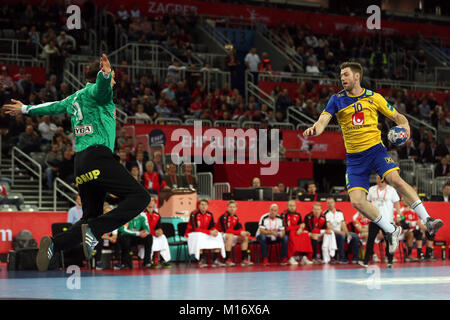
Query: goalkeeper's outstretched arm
x=319 y=126
x=48 y=108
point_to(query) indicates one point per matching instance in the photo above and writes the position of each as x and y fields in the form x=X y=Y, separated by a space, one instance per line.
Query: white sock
x=384 y=224
x=420 y=209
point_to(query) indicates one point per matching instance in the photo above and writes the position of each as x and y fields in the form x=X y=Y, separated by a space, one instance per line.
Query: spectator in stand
x=201 y=232
x=299 y=242
x=423 y=153
x=67 y=41
x=445 y=194
x=20 y=75
x=47 y=129
x=378 y=62
x=290 y=67
x=171 y=180
x=123 y=16
x=442 y=169
x=311 y=189
x=5 y=200
x=196 y=107
x=188 y=179
x=283 y=101
x=232 y=65
x=151 y=178
x=135 y=232
x=312 y=68
x=256 y=182
x=336 y=223
x=232 y=232
x=157 y=160
x=5 y=80
x=29 y=140
x=408 y=152
x=76 y=212
x=52 y=160
x=271 y=229
x=316 y=224
x=265 y=66
x=160 y=245
x=139 y=162
x=26 y=86
x=162 y=109
x=425 y=109
x=252 y=62
x=66 y=167
x=141 y=116
x=34 y=35
x=421 y=60
x=175 y=71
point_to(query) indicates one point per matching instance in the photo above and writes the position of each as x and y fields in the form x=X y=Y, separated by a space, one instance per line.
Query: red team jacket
x=229 y=224
x=199 y=222
x=154 y=221
x=292 y=221
x=412 y=219
x=313 y=224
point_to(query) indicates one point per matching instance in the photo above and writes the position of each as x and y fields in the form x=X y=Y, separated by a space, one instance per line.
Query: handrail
x=37 y=164
x=421 y=122
x=72 y=80
x=56 y=190
x=281 y=47
x=293 y=109
x=216 y=35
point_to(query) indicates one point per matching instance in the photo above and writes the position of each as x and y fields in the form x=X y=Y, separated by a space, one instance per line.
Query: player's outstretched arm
x=401 y=121
x=49 y=108
x=319 y=126
x=101 y=90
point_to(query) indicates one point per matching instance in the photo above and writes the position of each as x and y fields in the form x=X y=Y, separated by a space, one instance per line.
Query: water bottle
x=443 y=252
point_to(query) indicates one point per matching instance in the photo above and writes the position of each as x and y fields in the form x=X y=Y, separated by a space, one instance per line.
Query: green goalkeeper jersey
x=92 y=113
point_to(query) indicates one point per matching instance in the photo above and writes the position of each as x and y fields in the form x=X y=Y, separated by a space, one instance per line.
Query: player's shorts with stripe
x=361 y=164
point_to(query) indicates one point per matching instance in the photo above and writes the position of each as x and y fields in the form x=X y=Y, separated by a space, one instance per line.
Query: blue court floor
x=429 y=280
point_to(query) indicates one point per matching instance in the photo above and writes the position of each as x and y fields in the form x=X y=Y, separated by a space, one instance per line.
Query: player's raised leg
x=411 y=198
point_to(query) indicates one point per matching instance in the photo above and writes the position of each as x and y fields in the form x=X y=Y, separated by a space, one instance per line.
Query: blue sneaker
x=100 y=266
x=89 y=241
x=117 y=266
x=45 y=253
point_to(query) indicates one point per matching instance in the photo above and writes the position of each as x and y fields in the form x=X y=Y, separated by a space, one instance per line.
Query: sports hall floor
x=417 y=280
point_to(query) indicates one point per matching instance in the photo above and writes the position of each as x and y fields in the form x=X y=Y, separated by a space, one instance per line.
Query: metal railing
x=57 y=189
x=16 y=152
x=16 y=47
x=215 y=34
x=299 y=117
x=254 y=90
x=282 y=47
x=417 y=123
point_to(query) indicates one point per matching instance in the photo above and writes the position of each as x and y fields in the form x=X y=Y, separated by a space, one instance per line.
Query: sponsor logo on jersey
x=389 y=160
x=82 y=130
x=390 y=107
x=86 y=177
x=358 y=119
x=369 y=92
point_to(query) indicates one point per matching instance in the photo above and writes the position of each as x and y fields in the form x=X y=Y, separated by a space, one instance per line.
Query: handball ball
x=397 y=136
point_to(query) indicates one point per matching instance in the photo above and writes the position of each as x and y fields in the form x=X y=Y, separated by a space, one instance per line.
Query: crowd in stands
x=320 y=54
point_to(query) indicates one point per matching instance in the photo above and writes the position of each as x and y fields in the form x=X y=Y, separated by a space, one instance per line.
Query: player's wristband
x=24 y=109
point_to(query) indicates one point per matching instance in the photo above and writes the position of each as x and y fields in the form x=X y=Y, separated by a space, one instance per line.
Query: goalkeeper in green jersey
x=97 y=170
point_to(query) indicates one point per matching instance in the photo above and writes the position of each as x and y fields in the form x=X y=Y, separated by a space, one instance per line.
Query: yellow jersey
x=358 y=118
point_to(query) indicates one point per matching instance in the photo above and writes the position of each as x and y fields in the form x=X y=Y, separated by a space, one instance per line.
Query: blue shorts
x=361 y=164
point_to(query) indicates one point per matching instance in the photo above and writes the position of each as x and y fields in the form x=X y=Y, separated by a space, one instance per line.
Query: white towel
x=198 y=241
x=329 y=246
x=162 y=245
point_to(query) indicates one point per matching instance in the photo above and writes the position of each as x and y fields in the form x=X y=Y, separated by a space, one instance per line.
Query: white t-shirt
x=266 y=223
x=253 y=61
x=384 y=200
x=335 y=219
x=47 y=130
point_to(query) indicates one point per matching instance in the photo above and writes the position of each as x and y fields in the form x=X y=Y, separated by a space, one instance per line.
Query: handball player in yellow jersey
x=356 y=110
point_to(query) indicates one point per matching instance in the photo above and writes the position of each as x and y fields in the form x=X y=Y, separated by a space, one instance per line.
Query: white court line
x=399 y=281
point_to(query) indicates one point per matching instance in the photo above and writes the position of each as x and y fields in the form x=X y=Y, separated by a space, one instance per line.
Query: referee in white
x=385 y=198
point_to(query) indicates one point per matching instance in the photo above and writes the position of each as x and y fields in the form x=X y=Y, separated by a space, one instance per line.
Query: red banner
x=287 y=172
x=329 y=145
x=37 y=73
x=318 y=22
x=39 y=223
